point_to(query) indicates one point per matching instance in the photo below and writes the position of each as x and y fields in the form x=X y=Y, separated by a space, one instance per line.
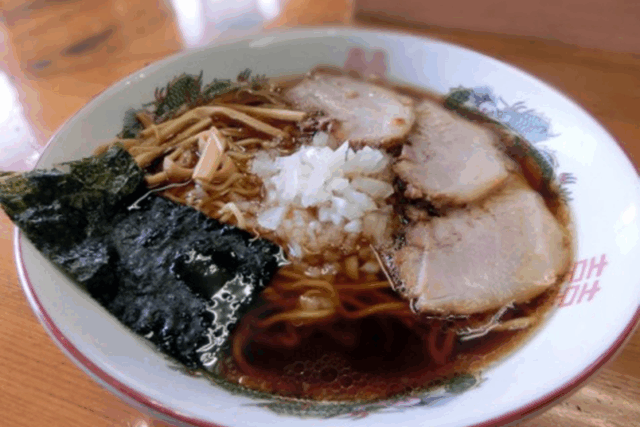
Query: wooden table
x=61 y=53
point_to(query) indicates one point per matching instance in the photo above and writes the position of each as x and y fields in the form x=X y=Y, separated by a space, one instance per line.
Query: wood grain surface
x=61 y=53
x=611 y=24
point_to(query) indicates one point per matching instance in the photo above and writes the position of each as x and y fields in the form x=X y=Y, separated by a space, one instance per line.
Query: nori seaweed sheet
x=167 y=271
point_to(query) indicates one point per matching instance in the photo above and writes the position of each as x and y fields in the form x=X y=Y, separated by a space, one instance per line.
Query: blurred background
x=58 y=54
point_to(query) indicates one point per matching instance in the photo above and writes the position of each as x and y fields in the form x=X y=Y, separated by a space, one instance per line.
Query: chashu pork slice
x=367 y=114
x=450 y=160
x=508 y=250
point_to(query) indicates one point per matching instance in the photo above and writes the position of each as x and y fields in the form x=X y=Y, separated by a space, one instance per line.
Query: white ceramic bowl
x=597 y=313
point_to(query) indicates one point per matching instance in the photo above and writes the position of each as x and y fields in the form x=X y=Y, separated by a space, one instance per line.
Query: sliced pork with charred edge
x=507 y=250
x=367 y=114
x=450 y=160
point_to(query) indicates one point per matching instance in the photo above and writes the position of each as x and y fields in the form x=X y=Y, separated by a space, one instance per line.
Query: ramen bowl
x=596 y=310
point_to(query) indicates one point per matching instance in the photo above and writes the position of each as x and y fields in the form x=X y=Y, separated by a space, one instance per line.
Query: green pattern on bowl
x=305 y=408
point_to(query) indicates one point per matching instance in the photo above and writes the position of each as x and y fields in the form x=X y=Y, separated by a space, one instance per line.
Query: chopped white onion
x=271 y=218
x=370 y=267
x=339 y=183
x=336 y=218
x=367 y=161
x=362 y=200
x=354 y=226
x=320 y=139
x=295 y=250
x=299 y=219
x=374 y=226
x=324 y=214
x=373 y=187
x=263 y=165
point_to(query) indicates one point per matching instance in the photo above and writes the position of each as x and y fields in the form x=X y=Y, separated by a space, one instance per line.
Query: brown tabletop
x=59 y=54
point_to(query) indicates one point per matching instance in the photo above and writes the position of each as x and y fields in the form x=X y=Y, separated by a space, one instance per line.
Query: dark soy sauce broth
x=375 y=362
